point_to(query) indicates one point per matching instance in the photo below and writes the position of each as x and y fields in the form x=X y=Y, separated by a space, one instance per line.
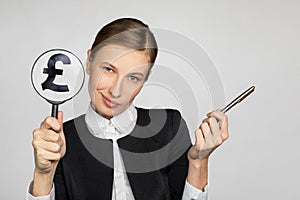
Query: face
x=117 y=75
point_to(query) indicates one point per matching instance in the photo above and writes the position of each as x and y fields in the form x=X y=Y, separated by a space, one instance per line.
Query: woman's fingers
x=213 y=125
x=48 y=146
x=205 y=130
x=204 y=143
x=49 y=143
x=48 y=155
x=211 y=133
x=223 y=121
x=60 y=117
x=195 y=149
x=47 y=135
x=52 y=123
x=199 y=139
x=221 y=118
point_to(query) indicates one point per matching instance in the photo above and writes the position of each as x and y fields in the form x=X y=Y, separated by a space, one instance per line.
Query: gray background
x=250 y=42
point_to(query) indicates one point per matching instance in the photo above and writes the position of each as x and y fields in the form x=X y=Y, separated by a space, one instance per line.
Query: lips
x=109 y=102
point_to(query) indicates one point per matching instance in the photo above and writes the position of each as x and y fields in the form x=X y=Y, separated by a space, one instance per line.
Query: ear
x=88 y=63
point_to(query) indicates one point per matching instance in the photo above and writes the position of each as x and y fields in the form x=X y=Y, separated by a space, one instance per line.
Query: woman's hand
x=212 y=132
x=49 y=147
x=49 y=144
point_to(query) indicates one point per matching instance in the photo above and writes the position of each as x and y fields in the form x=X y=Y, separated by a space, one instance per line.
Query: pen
x=238 y=99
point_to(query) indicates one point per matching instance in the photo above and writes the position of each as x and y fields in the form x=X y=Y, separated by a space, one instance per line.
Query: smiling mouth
x=109 y=103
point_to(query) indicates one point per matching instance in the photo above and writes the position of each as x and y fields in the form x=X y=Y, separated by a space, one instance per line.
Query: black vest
x=154 y=155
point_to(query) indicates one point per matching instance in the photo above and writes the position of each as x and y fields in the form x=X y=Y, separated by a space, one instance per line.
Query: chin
x=108 y=112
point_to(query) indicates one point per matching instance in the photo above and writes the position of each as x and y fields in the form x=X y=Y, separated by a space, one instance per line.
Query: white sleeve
x=192 y=193
x=47 y=197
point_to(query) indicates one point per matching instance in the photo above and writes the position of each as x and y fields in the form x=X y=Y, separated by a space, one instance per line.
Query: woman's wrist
x=198 y=173
x=42 y=183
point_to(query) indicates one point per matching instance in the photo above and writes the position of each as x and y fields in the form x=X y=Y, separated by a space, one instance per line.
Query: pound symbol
x=52 y=72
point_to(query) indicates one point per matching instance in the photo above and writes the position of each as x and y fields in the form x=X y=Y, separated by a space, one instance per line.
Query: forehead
x=115 y=54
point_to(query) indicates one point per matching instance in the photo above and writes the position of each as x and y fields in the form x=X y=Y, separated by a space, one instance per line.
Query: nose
x=116 y=88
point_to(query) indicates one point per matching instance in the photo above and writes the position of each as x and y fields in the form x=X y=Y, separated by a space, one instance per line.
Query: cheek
x=98 y=82
x=95 y=83
x=134 y=92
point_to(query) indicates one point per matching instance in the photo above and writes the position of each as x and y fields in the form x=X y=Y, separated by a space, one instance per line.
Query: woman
x=90 y=157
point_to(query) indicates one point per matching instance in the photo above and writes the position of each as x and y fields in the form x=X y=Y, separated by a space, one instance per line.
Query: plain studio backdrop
x=249 y=42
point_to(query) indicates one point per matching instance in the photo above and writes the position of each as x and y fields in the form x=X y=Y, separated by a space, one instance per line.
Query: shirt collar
x=123 y=123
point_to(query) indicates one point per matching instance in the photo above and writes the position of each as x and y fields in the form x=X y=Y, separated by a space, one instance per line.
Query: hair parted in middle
x=128 y=32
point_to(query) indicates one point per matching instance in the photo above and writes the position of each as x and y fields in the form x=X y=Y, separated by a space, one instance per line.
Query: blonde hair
x=128 y=32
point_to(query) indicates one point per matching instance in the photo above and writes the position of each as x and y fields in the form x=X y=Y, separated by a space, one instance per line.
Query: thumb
x=199 y=138
x=60 y=116
x=195 y=149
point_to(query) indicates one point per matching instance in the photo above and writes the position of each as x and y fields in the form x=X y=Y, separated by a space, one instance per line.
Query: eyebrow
x=107 y=63
x=137 y=73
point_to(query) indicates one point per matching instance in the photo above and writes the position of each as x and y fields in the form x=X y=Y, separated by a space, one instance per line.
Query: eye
x=108 y=69
x=133 y=78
